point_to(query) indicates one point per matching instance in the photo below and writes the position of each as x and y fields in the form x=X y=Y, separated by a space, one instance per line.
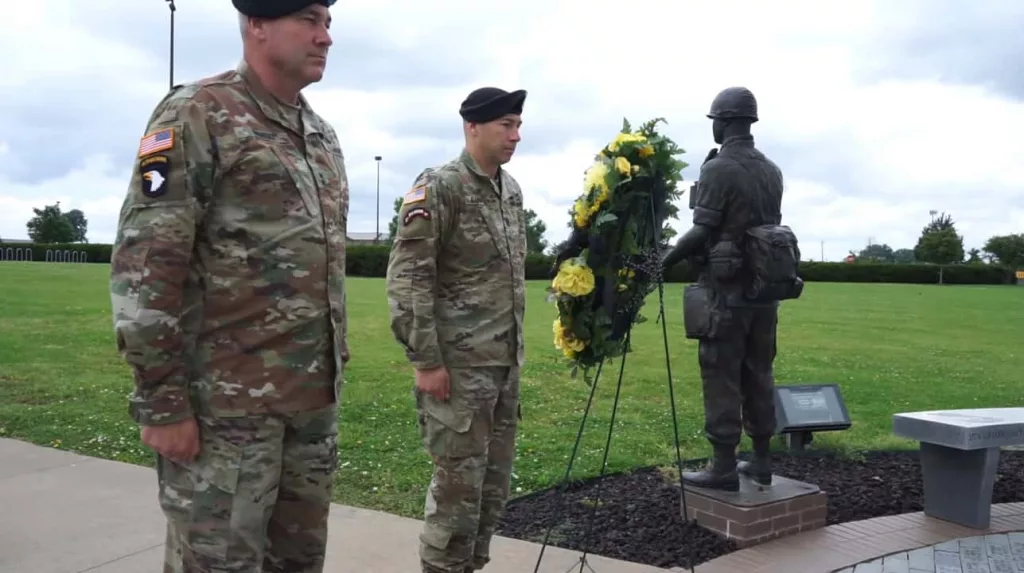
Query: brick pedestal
x=756 y=514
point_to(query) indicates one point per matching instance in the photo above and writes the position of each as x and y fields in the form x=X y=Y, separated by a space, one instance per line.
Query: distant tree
x=940 y=243
x=51 y=226
x=1006 y=249
x=535 y=228
x=393 y=225
x=974 y=257
x=903 y=256
x=880 y=253
x=80 y=224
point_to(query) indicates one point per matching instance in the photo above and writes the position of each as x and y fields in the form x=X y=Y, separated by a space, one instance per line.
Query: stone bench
x=959 y=455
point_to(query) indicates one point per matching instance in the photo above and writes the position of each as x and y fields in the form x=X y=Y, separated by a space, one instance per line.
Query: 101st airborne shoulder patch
x=153 y=171
x=415 y=212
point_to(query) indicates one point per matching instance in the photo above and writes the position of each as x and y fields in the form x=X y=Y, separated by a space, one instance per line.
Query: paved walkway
x=1000 y=553
x=860 y=544
x=65 y=513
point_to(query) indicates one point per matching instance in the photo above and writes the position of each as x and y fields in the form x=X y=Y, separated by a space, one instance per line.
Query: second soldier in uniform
x=455 y=284
x=746 y=263
x=228 y=292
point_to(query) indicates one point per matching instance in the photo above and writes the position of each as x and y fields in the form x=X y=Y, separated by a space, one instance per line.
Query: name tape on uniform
x=161 y=140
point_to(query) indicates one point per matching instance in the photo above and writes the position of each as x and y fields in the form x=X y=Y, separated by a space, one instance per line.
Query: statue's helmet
x=735 y=102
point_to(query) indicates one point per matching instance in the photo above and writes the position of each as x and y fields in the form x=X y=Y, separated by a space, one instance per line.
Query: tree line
x=941 y=244
x=51 y=225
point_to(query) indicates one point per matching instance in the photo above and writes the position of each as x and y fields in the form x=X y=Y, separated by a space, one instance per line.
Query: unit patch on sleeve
x=415 y=195
x=413 y=213
x=157 y=141
x=154 y=175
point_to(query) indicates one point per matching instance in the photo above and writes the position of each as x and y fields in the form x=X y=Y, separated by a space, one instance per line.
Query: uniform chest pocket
x=480 y=242
x=269 y=180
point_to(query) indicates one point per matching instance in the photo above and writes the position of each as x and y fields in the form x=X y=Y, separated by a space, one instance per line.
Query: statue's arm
x=712 y=198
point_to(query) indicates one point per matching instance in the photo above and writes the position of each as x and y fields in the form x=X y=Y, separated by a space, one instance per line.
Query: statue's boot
x=720 y=473
x=760 y=468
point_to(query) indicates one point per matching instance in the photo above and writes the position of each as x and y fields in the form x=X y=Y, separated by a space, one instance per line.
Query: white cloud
x=908 y=145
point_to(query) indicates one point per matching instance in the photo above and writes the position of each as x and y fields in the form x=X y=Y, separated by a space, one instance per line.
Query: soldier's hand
x=345 y=356
x=178 y=442
x=434 y=381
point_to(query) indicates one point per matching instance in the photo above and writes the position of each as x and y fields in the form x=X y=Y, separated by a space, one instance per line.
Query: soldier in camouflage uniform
x=228 y=293
x=456 y=290
x=729 y=309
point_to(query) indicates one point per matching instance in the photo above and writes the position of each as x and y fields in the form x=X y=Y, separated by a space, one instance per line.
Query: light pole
x=170 y=4
x=376 y=237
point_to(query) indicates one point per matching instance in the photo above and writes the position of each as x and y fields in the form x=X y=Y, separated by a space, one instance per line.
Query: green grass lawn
x=891 y=348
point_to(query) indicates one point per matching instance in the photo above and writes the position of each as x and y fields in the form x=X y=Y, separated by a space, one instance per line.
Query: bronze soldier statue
x=746 y=262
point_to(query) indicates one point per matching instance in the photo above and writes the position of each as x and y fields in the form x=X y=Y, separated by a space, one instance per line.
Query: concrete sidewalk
x=65 y=513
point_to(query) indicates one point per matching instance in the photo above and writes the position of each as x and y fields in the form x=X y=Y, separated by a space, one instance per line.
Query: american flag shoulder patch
x=416 y=194
x=157 y=141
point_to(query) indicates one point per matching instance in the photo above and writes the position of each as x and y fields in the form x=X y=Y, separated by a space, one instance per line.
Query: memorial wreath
x=628 y=193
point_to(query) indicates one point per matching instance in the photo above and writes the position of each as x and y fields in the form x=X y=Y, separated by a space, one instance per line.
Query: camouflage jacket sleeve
x=412 y=272
x=152 y=253
x=716 y=191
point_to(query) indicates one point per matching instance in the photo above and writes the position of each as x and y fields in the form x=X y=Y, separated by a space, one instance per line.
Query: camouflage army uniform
x=456 y=291
x=228 y=292
x=739 y=189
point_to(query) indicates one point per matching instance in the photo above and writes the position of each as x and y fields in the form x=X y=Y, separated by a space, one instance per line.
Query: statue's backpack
x=771 y=256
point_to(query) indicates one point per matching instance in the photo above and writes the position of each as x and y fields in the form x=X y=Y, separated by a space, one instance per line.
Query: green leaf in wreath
x=605 y=218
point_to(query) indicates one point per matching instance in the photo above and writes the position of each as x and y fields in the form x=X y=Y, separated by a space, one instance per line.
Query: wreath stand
x=652 y=220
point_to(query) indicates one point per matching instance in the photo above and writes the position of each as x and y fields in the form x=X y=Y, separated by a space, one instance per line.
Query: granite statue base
x=757 y=513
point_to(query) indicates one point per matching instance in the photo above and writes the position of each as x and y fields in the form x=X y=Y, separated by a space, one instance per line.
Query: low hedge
x=372 y=261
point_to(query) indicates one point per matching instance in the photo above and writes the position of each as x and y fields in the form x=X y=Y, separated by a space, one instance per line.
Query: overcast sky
x=877 y=112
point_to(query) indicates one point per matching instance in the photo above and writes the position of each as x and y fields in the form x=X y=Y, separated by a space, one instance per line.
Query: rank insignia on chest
x=154 y=175
x=413 y=213
x=157 y=141
x=415 y=195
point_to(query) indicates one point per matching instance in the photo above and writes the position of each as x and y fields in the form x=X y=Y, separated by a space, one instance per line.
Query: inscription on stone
x=922 y=559
x=947 y=562
x=963 y=429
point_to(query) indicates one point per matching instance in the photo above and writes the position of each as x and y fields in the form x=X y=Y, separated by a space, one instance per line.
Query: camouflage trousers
x=256 y=499
x=471 y=439
x=736 y=367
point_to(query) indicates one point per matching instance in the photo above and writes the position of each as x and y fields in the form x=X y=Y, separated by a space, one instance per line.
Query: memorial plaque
x=971 y=429
x=810 y=408
x=1020 y=277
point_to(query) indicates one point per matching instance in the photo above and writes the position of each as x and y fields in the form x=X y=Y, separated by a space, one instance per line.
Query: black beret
x=275 y=8
x=487 y=104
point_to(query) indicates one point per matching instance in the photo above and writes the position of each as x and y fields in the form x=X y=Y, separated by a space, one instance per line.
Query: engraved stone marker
x=959 y=455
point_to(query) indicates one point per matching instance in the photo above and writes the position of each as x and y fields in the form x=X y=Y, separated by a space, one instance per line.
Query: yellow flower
x=595 y=176
x=622 y=287
x=622 y=165
x=627 y=272
x=581 y=213
x=568 y=344
x=573 y=279
x=624 y=138
x=646 y=151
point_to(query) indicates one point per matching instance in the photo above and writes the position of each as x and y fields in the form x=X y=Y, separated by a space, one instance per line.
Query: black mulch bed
x=639 y=519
